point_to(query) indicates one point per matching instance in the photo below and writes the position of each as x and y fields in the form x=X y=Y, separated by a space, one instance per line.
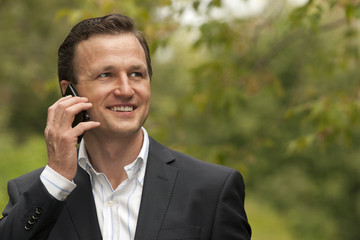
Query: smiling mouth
x=122 y=108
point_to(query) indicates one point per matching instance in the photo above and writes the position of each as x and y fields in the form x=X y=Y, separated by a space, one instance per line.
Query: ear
x=63 y=85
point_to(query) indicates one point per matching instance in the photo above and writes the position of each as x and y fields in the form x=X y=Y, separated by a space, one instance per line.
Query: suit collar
x=82 y=210
x=160 y=179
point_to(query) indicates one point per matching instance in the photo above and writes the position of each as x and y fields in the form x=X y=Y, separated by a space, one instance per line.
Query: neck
x=111 y=155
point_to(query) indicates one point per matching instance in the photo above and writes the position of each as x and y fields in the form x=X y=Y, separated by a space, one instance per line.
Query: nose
x=124 y=87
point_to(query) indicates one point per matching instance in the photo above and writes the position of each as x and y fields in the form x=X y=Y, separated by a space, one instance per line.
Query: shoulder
x=191 y=166
x=213 y=175
x=23 y=182
x=185 y=161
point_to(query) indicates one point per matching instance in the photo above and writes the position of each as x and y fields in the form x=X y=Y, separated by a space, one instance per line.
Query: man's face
x=112 y=73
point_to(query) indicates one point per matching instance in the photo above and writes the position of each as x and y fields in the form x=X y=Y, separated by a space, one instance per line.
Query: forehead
x=99 y=48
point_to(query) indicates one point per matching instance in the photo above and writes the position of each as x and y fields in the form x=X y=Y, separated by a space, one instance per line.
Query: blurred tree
x=280 y=92
x=30 y=36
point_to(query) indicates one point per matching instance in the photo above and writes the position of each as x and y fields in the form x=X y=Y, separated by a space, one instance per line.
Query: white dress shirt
x=117 y=209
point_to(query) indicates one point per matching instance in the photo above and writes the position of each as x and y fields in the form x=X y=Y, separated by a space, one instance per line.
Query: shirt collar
x=134 y=169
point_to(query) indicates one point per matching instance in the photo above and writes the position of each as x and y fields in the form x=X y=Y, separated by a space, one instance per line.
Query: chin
x=125 y=130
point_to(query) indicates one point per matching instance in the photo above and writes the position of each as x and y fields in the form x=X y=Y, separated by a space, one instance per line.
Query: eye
x=104 y=75
x=136 y=74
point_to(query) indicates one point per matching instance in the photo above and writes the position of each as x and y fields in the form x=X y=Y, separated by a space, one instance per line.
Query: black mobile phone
x=80 y=117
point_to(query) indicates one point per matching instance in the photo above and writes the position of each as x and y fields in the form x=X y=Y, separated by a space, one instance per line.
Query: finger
x=70 y=112
x=56 y=114
x=85 y=126
x=52 y=109
x=61 y=108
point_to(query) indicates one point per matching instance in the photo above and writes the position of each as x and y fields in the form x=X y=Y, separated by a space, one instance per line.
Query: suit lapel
x=158 y=185
x=81 y=207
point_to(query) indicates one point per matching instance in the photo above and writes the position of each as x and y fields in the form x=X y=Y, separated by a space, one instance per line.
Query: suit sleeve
x=230 y=220
x=29 y=215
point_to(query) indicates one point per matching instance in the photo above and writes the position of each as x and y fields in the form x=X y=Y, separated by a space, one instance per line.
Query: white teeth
x=122 y=109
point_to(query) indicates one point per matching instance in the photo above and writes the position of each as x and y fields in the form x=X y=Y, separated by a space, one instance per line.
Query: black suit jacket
x=183 y=198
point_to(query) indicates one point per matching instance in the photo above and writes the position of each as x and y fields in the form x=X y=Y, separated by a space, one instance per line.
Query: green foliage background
x=274 y=95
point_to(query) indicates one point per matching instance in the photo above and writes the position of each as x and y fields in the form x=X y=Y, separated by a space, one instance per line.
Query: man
x=119 y=183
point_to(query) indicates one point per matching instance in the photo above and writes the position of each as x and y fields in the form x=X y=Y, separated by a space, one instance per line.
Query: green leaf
x=196 y=4
x=350 y=11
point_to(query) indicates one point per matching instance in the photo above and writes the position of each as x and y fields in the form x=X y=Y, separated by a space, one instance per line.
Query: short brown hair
x=109 y=24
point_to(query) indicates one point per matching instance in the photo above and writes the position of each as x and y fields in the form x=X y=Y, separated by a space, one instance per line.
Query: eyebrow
x=138 y=67
x=133 y=67
x=108 y=67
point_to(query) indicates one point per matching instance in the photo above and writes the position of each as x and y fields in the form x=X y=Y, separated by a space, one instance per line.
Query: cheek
x=96 y=93
x=147 y=92
x=146 y=97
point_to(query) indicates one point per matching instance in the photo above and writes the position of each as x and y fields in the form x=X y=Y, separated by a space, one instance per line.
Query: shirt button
x=111 y=203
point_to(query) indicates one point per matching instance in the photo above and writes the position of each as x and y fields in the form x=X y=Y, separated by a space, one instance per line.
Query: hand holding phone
x=80 y=117
x=61 y=138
